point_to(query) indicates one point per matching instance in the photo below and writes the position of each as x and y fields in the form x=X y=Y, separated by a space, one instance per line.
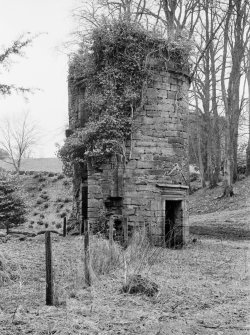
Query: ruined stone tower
x=150 y=188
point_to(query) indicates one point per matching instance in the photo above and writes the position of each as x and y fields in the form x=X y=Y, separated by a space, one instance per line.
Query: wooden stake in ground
x=111 y=236
x=125 y=231
x=49 y=270
x=80 y=227
x=64 y=226
x=86 y=253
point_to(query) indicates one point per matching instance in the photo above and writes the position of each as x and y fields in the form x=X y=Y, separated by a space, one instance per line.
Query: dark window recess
x=173 y=224
x=118 y=231
x=114 y=204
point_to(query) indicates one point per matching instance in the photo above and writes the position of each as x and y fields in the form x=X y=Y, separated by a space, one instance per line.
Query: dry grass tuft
x=9 y=271
x=104 y=258
x=136 y=284
x=140 y=254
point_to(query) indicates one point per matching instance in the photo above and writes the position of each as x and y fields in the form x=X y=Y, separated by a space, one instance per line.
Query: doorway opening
x=173 y=224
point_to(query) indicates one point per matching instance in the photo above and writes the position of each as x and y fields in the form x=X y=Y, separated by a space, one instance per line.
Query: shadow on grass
x=221 y=232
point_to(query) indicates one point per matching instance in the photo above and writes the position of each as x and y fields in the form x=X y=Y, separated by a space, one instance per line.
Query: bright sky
x=44 y=65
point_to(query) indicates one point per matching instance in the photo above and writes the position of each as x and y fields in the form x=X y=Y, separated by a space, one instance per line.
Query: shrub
x=44 y=196
x=40 y=222
x=35 y=213
x=63 y=214
x=12 y=208
x=42 y=216
x=46 y=225
x=60 y=176
x=39 y=201
x=30 y=226
x=31 y=188
x=46 y=206
x=66 y=200
x=136 y=284
x=58 y=225
x=194 y=176
x=41 y=179
x=66 y=183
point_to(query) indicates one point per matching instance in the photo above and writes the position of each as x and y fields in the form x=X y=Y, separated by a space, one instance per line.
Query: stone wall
x=157 y=168
x=160 y=141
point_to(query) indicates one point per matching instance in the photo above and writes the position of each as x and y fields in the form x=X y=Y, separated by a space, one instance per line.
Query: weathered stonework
x=150 y=188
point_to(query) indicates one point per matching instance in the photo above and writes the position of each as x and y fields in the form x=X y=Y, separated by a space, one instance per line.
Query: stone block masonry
x=150 y=189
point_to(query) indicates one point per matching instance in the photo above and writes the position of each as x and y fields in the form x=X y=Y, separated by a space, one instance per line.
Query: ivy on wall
x=112 y=71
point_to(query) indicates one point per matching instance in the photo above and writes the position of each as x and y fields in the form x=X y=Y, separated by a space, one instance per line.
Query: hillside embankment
x=223 y=218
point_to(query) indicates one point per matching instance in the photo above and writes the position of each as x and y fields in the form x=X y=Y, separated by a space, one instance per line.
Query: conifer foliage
x=12 y=208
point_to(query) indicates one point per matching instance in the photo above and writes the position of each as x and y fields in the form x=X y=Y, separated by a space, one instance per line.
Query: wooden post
x=80 y=226
x=163 y=232
x=7 y=228
x=80 y=208
x=111 y=230
x=64 y=226
x=49 y=270
x=111 y=236
x=125 y=231
x=86 y=253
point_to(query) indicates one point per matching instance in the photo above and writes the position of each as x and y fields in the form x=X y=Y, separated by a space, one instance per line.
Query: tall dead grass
x=105 y=258
x=140 y=254
x=9 y=270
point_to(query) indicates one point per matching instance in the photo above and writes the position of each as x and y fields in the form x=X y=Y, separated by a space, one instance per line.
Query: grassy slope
x=48 y=198
x=226 y=218
x=203 y=287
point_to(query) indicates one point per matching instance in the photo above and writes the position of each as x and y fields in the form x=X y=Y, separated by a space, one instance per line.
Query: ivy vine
x=112 y=69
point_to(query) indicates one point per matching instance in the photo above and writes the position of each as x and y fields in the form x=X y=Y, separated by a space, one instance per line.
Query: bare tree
x=248 y=83
x=236 y=34
x=170 y=17
x=17 y=138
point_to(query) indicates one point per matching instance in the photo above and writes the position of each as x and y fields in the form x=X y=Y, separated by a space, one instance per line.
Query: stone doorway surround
x=176 y=194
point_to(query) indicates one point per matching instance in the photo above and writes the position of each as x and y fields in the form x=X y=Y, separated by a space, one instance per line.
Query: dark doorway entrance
x=173 y=223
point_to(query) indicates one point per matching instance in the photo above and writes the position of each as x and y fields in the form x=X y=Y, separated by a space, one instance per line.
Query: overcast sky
x=44 y=65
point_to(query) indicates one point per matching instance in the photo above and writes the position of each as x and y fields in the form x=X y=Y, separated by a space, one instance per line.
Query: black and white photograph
x=125 y=167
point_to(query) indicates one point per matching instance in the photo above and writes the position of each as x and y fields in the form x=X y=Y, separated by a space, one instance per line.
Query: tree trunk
x=248 y=145
x=215 y=121
x=201 y=166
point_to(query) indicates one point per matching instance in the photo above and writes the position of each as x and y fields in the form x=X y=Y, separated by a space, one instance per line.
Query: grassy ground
x=204 y=288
